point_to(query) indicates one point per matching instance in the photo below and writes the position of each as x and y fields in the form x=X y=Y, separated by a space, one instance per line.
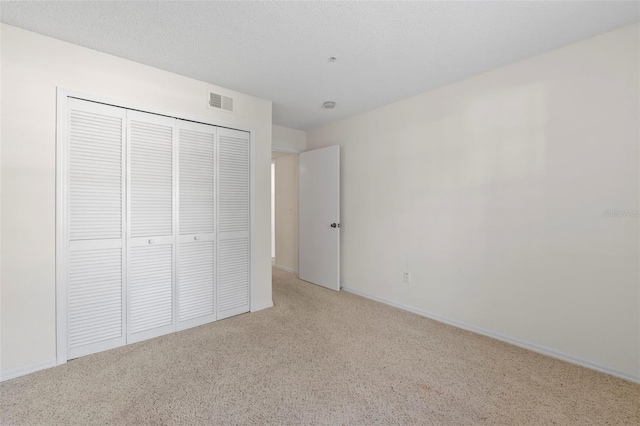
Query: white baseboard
x=284 y=268
x=261 y=307
x=27 y=369
x=626 y=375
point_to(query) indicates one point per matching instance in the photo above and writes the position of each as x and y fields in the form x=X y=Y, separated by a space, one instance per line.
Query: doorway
x=273 y=212
x=284 y=218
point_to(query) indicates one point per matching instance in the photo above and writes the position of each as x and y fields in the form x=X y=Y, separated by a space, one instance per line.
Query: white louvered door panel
x=196 y=176
x=233 y=275
x=151 y=222
x=150 y=288
x=95 y=227
x=233 y=166
x=196 y=247
x=196 y=292
x=150 y=175
x=94 y=300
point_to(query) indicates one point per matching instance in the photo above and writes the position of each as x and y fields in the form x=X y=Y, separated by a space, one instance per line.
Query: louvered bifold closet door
x=151 y=223
x=233 y=274
x=196 y=224
x=94 y=199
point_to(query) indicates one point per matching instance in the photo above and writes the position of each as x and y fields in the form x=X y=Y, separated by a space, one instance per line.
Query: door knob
x=335 y=225
x=196 y=238
x=151 y=241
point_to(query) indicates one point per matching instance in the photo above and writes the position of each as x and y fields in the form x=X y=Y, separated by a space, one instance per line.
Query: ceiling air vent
x=217 y=101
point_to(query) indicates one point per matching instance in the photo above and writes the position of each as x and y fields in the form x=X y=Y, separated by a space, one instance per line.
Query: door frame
x=62 y=213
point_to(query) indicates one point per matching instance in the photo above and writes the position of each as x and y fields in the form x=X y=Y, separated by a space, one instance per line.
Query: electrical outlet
x=405 y=278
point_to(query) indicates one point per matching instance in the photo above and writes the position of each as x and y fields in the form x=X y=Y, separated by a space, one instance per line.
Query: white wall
x=492 y=193
x=32 y=67
x=287 y=212
x=288 y=140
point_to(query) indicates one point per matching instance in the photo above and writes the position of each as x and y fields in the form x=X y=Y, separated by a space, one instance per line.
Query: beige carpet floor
x=320 y=357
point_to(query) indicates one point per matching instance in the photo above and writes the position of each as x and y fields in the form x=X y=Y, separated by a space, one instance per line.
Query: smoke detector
x=329 y=105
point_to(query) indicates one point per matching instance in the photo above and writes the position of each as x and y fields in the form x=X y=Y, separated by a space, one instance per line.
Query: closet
x=155 y=219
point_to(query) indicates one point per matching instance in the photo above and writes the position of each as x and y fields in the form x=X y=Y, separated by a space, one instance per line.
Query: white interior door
x=319 y=217
x=151 y=236
x=196 y=224
x=94 y=248
x=233 y=275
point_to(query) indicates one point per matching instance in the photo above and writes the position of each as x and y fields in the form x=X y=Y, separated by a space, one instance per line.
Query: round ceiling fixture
x=329 y=105
x=333 y=59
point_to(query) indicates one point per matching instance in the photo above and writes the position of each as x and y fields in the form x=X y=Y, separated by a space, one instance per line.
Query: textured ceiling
x=386 y=51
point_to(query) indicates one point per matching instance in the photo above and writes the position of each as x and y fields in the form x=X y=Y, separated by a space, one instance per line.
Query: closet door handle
x=152 y=241
x=196 y=238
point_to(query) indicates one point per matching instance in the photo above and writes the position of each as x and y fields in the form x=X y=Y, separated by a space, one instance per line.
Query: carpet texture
x=320 y=357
